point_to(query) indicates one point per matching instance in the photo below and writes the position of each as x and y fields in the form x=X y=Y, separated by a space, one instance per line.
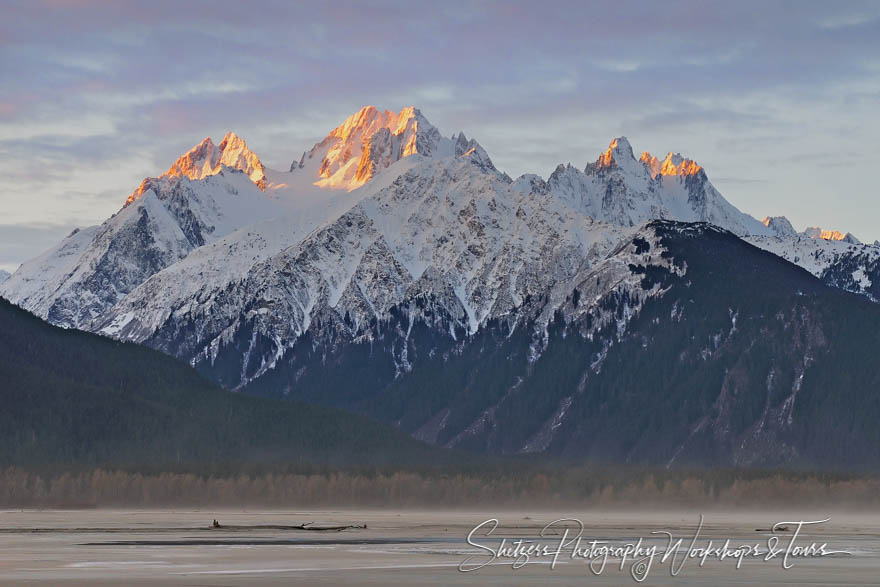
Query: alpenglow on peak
x=619 y=155
x=206 y=159
x=371 y=140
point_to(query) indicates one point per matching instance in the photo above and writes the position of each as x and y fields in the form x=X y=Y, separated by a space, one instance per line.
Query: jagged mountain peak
x=206 y=159
x=371 y=140
x=232 y=141
x=619 y=154
x=815 y=232
x=779 y=225
x=369 y=119
x=651 y=163
x=623 y=190
x=621 y=146
x=673 y=164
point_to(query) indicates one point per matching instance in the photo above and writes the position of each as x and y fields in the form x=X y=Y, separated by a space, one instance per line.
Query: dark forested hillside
x=747 y=360
x=73 y=397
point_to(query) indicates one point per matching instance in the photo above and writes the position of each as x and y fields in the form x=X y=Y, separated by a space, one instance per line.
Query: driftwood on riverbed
x=305 y=526
x=309 y=526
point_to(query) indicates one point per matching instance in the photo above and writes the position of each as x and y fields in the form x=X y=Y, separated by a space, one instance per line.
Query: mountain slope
x=746 y=360
x=850 y=266
x=74 y=397
x=88 y=272
x=712 y=353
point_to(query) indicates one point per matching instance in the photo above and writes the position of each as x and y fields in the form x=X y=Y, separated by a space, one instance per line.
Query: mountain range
x=395 y=272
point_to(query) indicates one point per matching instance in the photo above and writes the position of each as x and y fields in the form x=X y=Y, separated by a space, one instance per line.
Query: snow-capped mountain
x=206 y=159
x=779 y=226
x=4 y=275
x=92 y=269
x=210 y=192
x=815 y=232
x=389 y=251
x=839 y=259
x=370 y=141
x=841 y=263
x=218 y=217
x=439 y=235
x=623 y=190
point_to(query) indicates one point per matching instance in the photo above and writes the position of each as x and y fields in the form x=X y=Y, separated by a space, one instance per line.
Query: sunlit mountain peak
x=619 y=152
x=815 y=232
x=370 y=140
x=206 y=159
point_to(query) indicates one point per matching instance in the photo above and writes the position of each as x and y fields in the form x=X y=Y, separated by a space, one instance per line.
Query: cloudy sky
x=777 y=100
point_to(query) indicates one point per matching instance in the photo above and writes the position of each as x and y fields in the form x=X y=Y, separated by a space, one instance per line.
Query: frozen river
x=141 y=547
